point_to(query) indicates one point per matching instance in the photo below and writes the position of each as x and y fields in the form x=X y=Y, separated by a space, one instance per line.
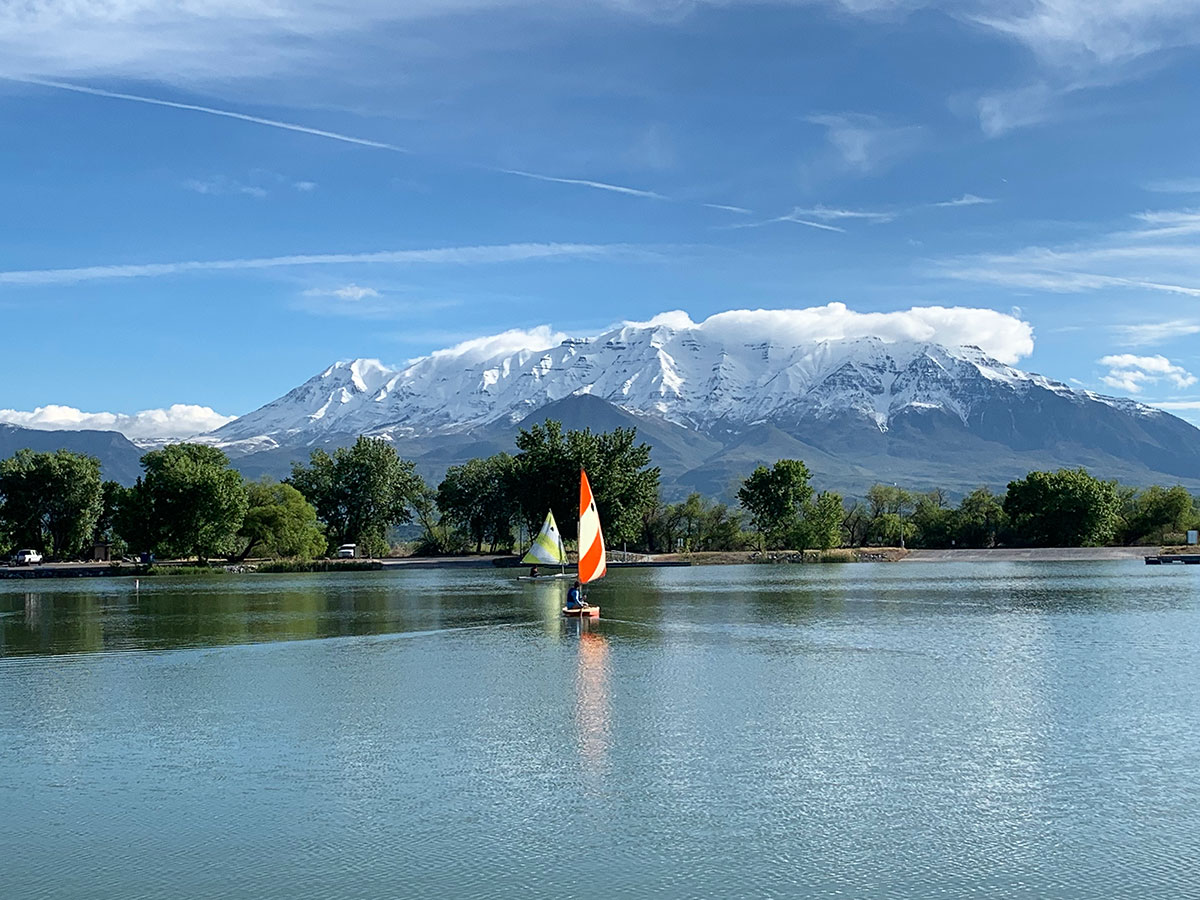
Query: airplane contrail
x=475 y=255
x=583 y=182
x=345 y=138
x=212 y=111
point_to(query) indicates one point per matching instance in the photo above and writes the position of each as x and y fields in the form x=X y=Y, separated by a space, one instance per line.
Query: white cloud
x=1003 y=111
x=1086 y=34
x=1001 y=336
x=350 y=292
x=825 y=214
x=305 y=186
x=181 y=420
x=966 y=200
x=218 y=185
x=1161 y=256
x=1131 y=373
x=1156 y=332
x=1178 y=404
x=219 y=40
x=865 y=143
x=479 y=255
x=1174 y=186
x=675 y=318
x=507 y=342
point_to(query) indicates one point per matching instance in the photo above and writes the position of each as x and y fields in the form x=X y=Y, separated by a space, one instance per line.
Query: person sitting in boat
x=533 y=572
x=575 y=597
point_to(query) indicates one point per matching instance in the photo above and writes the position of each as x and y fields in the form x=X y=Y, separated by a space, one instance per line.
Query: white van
x=347 y=551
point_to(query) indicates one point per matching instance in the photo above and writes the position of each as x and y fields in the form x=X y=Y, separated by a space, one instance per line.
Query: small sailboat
x=592 y=559
x=547 y=549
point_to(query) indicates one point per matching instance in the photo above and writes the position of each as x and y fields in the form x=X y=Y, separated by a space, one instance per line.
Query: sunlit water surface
x=890 y=731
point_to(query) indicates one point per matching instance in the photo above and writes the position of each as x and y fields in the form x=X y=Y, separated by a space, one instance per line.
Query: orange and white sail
x=592 y=561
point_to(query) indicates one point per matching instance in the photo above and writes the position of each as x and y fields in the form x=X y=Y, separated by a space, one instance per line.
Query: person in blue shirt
x=575 y=597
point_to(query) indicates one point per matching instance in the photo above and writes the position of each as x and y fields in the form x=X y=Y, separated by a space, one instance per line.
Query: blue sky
x=303 y=182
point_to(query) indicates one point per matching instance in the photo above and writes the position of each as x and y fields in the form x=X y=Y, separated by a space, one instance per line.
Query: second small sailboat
x=547 y=549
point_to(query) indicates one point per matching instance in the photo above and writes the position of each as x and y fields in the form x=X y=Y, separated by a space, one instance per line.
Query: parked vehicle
x=347 y=551
x=27 y=558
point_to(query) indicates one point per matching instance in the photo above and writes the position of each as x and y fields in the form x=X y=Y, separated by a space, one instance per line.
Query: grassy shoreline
x=182 y=569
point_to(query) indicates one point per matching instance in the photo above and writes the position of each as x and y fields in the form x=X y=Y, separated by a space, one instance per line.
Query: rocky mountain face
x=119 y=457
x=856 y=411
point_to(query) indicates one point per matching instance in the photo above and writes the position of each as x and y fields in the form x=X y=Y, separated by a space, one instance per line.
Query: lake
x=1023 y=730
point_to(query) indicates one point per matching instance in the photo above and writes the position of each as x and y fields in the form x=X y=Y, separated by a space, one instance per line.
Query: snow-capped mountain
x=852 y=401
x=659 y=371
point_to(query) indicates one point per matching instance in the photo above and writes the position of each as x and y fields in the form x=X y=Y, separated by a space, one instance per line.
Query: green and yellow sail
x=547 y=547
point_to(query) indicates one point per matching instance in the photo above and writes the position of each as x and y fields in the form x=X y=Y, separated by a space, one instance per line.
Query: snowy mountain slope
x=677 y=374
x=858 y=410
x=671 y=373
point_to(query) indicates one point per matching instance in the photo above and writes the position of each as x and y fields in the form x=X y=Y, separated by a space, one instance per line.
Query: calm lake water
x=875 y=731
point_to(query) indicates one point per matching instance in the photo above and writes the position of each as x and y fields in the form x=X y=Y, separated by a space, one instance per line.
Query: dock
x=1164 y=559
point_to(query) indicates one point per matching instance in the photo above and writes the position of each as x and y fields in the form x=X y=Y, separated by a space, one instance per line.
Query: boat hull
x=545 y=577
x=587 y=612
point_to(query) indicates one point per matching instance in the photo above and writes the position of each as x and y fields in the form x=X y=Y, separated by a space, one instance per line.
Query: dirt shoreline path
x=1031 y=554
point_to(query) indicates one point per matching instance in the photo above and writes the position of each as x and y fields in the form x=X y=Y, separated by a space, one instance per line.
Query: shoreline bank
x=779 y=557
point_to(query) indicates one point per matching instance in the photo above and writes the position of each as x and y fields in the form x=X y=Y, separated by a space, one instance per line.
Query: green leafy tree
x=1067 y=508
x=279 y=522
x=359 y=492
x=1150 y=514
x=980 y=520
x=133 y=519
x=856 y=524
x=696 y=524
x=112 y=495
x=194 y=502
x=820 y=526
x=889 y=508
x=546 y=476
x=478 y=498
x=775 y=499
x=933 y=522
x=51 y=501
x=721 y=529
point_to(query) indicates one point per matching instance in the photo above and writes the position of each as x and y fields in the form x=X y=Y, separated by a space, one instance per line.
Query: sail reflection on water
x=593 y=702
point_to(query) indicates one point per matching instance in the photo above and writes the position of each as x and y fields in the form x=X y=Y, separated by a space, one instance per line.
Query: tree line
x=190 y=502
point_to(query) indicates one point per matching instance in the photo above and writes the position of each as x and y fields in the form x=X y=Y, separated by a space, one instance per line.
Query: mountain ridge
x=862 y=409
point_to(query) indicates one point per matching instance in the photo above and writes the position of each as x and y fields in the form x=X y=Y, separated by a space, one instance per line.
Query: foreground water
x=890 y=731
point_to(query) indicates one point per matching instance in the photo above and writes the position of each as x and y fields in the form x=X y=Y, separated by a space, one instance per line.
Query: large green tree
x=889 y=508
x=696 y=524
x=980 y=519
x=775 y=499
x=478 y=498
x=279 y=522
x=546 y=476
x=820 y=524
x=933 y=521
x=191 y=500
x=1151 y=514
x=1067 y=508
x=51 y=501
x=359 y=492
